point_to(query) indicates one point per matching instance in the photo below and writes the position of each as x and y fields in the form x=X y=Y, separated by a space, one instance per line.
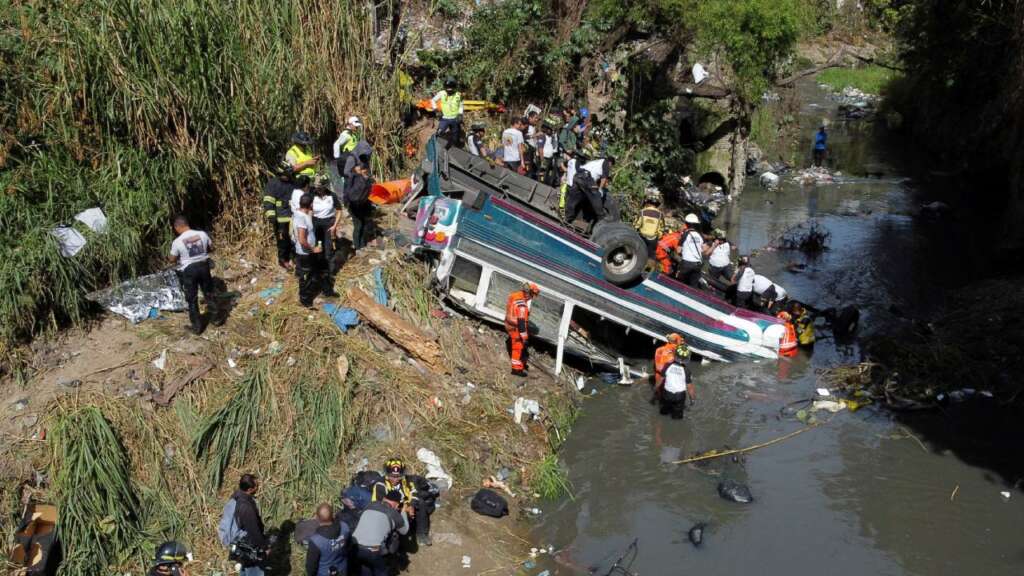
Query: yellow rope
x=716 y=454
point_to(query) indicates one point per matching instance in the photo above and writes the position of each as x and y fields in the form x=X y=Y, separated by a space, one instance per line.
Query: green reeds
x=550 y=480
x=99 y=509
x=319 y=434
x=226 y=435
x=146 y=108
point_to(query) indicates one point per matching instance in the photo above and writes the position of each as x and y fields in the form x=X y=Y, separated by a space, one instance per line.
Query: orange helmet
x=531 y=288
x=675 y=338
x=784 y=316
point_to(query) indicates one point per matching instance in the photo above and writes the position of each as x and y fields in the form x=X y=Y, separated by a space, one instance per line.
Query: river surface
x=856 y=495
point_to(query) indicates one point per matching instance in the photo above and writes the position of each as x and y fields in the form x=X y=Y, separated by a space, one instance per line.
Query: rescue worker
x=820 y=145
x=277 y=210
x=677 y=386
x=804 y=325
x=308 y=266
x=475 y=143
x=743 y=277
x=170 y=560
x=667 y=250
x=327 y=554
x=449 y=102
x=517 y=324
x=568 y=135
x=787 y=346
x=768 y=293
x=300 y=156
x=691 y=252
x=376 y=535
x=719 y=254
x=190 y=252
x=357 y=195
x=664 y=354
x=650 y=223
x=346 y=142
x=585 y=192
x=326 y=222
x=414 y=491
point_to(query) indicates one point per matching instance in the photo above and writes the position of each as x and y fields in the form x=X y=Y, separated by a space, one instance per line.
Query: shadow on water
x=857 y=495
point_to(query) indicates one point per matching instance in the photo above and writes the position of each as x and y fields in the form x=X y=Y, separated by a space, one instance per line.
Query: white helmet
x=355 y=122
x=691 y=218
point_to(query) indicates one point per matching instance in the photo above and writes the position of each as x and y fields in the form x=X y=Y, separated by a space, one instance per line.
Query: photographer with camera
x=170 y=560
x=241 y=528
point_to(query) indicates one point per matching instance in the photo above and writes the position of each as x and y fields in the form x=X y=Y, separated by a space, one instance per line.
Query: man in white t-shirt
x=719 y=253
x=769 y=293
x=691 y=252
x=744 y=279
x=514 y=146
x=190 y=251
x=676 y=388
x=308 y=267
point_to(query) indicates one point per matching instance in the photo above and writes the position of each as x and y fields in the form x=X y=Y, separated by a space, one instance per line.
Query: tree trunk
x=397 y=329
x=738 y=148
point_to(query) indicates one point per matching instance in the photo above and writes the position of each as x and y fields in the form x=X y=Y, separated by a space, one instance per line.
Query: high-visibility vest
x=451 y=105
x=649 y=223
x=298 y=156
x=805 y=330
x=349 y=144
x=517 y=310
x=788 y=345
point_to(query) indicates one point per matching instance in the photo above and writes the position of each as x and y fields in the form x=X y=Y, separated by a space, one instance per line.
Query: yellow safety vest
x=649 y=223
x=451 y=105
x=349 y=144
x=298 y=156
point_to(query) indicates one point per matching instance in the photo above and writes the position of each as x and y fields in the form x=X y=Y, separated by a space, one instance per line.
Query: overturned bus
x=486 y=245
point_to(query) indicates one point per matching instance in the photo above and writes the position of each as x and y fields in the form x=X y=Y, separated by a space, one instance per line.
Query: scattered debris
x=70 y=240
x=815 y=175
x=807 y=237
x=1005 y=494
x=380 y=293
x=735 y=492
x=696 y=534
x=344 y=318
x=161 y=361
x=172 y=388
x=769 y=180
x=435 y=472
x=271 y=293
x=525 y=406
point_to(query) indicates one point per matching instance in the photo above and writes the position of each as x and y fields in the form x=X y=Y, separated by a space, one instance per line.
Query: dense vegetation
x=145 y=108
x=963 y=90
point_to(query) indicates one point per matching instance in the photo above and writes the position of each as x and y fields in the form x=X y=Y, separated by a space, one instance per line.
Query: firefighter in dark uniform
x=276 y=197
x=415 y=490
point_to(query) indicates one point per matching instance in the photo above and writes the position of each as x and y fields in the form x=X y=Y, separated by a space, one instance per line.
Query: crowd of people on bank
x=377 y=519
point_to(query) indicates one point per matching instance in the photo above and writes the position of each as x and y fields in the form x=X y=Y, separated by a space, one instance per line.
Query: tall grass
x=99 y=510
x=868 y=79
x=146 y=108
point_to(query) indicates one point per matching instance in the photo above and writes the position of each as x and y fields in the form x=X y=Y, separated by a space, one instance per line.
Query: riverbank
x=385 y=402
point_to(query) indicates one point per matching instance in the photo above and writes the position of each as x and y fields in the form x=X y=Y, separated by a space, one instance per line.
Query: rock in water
x=735 y=492
x=697 y=534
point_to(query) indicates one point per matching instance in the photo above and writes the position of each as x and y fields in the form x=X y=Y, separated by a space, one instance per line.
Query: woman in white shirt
x=326 y=219
x=719 y=257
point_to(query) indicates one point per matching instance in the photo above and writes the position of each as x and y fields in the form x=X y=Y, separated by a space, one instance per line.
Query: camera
x=245 y=553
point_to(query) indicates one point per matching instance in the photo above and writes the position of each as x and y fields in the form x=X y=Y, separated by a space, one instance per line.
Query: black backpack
x=489 y=503
x=366 y=479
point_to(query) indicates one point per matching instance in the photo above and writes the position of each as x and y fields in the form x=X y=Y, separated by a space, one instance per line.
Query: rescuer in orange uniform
x=668 y=246
x=664 y=355
x=787 y=347
x=517 y=322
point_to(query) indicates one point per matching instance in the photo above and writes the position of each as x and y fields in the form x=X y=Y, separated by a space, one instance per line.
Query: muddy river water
x=854 y=496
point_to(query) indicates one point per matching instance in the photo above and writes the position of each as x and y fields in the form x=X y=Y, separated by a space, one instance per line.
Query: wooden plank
x=397 y=329
x=167 y=394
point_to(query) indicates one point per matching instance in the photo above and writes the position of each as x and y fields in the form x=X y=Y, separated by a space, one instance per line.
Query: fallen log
x=397 y=329
x=175 y=386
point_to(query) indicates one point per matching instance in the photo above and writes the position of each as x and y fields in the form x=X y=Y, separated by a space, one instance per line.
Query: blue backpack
x=228 y=530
